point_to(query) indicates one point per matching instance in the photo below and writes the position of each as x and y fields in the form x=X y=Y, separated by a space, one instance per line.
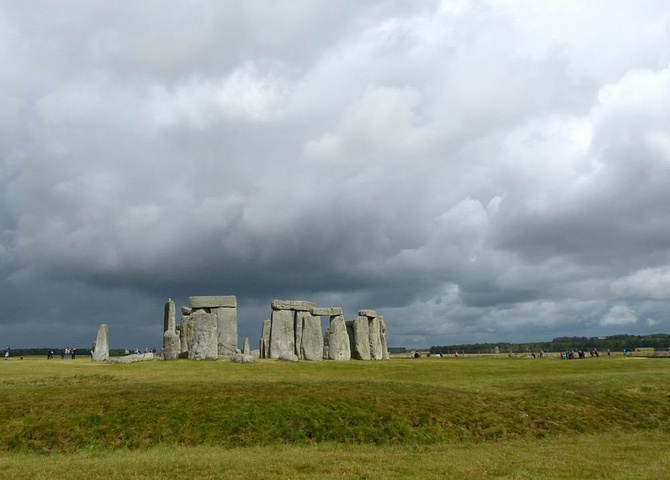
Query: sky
x=475 y=171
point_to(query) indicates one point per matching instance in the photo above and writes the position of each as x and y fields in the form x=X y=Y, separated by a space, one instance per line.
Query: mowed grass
x=471 y=417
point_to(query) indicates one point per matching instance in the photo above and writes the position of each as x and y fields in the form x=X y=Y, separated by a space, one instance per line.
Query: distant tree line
x=658 y=341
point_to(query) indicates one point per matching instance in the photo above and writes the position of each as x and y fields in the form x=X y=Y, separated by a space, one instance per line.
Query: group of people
x=65 y=353
x=137 y=351
x=572 y=354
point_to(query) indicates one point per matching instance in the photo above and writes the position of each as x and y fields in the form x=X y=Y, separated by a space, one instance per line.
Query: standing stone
x=227 y=330
x=100 y=351
x=247 y=347
x=282 y=336
x=352 y=337
x=311 y=345
x=265 y=339
x=187 y=330
x=385 y=348
x=338 y=340
x=361 y=339
x=375 y=340
x=171 y=345
x=299 y=319
x=171 y=341
x=169 y=316
x=326 y=337
x=204 y=336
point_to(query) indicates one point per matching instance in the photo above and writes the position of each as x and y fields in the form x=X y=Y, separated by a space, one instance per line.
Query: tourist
x=73 y=351
x=456 y=354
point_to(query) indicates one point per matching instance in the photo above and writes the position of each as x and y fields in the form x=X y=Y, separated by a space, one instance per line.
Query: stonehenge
x=294 y=332
x=171 y=339
x=100 y=351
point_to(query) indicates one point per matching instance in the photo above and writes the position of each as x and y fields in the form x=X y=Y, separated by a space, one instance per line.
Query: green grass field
x=473 y=417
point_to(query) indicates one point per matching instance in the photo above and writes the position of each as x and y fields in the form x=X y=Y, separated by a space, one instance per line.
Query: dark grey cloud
x=475 y=170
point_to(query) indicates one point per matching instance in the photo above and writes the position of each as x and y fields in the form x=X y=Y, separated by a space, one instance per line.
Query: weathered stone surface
x=242 y=358
x=169 y=316
x=326 y=337
x=247 y=347
x=186 y=331
x=186 y=310
x=171 y=345
x=338 y=340
x=361 y=340
x=227 y=330
x=204 y=336
x=265 y=339
x=282 y=335
x=297 y=305
x=326 y=312
x=256 y=353
x=385 y=348
x=375 y=340
x=141 y=357
x=350 y=333
x=288 y=358
x=100 y=351
x=229 y=301
x=367 y=313
x=311 y=345
x=297 y=328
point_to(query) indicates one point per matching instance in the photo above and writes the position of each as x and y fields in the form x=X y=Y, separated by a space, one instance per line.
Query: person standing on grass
x=7 y=352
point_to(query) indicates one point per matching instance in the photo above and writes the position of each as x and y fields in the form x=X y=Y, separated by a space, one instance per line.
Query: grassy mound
x=56 y=406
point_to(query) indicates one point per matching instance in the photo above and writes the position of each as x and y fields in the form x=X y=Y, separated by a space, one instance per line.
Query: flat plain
x=471 y=417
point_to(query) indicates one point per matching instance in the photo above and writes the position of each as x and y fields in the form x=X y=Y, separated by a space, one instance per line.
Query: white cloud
x=619 y=315
x=649 y=283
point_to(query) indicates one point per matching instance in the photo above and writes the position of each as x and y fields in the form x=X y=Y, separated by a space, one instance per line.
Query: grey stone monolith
x=288 y=358
x=297 y=328
x=311 y=344
x=243 y=358
x=375 y=340
x=171 y=345
x=385 y=348
x=352 y=338
x=338 y=340
x=205 y=345
x=326 y=337
x=265 y=339
x=140 y=357
x=247 y=346
x=227 y=330
x=282 y=335
x=100 y=351
x=187 y=328
x=169 y=316
x=361 y=340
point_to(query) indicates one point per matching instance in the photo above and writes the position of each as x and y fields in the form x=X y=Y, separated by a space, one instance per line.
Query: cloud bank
x=475 y=170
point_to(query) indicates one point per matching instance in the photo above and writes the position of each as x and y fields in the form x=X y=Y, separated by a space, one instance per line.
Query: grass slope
x=463 y=415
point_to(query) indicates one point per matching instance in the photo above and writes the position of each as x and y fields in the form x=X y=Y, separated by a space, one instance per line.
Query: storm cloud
x=474 y=170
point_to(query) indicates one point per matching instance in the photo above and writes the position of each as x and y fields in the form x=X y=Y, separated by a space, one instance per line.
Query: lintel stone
x=228 y=301
x=297 y=305
x=327 y=312
x=367 y=313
